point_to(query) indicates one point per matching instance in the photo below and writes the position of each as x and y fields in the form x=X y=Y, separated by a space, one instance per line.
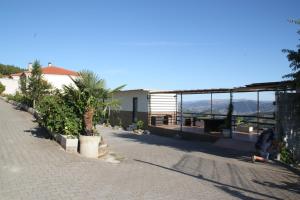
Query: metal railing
x=259 y=122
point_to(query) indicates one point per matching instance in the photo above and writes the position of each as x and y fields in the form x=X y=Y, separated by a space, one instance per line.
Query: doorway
x=134 y=109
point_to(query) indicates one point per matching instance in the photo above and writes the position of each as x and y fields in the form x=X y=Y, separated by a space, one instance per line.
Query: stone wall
x=126 y=118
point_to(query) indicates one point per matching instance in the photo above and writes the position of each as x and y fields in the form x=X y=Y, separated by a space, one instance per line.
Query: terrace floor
x=241 y=140
x=153 y=167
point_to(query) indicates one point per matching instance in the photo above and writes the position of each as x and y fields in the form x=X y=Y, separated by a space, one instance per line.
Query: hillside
x=9 y=69
x=242 y=106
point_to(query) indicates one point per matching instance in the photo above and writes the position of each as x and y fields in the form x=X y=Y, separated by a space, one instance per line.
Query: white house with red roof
x=56 y=76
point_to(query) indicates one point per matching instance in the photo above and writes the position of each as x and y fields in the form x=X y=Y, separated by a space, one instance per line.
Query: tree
x=294 y=57
x=228 y=120
x=23 y=84
x=9 y=69
x=37 y=86
x=89 y=97
x=2 y=88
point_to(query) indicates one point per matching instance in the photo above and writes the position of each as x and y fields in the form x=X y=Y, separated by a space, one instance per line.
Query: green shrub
x=140 y=124
x=286 y=156
x=2 y=88
x=58 y=117
x=18 y=97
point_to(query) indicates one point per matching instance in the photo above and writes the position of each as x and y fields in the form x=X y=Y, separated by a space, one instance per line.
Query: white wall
x=158 y=102
x=57 y=81
x=11 y=85
x=16 y=77
x=163 y=103
x=126 y=100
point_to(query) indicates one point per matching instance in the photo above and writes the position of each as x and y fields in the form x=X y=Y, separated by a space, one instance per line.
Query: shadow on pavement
x=284 y=185
x=39 y=132
x=235 y=191
x=188 y=146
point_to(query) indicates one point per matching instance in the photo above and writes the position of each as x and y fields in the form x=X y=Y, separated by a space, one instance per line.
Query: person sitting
x=263 y=145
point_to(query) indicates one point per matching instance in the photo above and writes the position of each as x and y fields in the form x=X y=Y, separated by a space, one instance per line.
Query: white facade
x=146 y=102
x=57 y=81
x=163 y=103
x=15 y=77
x=125 y=99
x=11 y=85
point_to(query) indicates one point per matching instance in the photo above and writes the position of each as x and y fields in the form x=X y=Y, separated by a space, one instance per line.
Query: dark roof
x=255 y=87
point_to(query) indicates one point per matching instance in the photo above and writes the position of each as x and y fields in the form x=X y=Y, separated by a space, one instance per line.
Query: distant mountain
x=241 y=106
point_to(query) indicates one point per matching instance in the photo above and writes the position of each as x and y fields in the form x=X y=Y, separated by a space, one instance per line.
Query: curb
x=289 y=167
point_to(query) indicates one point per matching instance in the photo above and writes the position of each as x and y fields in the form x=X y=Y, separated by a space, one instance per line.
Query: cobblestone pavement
x=34 y=167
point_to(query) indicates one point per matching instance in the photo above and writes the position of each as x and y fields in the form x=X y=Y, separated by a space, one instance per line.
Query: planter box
x=69 y=144
x=226 y=133
x=89 y=146
x=30 y=110
x=245 y=129
x=199 y=123
x=56 y=137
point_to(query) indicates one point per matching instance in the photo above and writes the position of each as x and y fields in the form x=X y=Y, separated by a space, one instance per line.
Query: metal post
x=211 y=116
x=176 y=114
x=257 y=112
x=149 y=109
x=181 y=113
x=231 y=114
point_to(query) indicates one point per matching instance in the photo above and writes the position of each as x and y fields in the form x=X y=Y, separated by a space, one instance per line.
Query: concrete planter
x=30 y=110
x=226 y=133
x=55 y=136
x=69 y=144
x=89 y=146
x=245 y=129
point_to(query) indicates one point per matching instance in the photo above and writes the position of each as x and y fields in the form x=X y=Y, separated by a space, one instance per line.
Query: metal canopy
x=255 y=87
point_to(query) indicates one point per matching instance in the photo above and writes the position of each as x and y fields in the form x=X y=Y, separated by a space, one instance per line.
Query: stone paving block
x=34 y=167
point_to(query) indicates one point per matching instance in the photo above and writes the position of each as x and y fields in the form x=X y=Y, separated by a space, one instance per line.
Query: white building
x=140 y=104
x=11 y=85
x=56 y=76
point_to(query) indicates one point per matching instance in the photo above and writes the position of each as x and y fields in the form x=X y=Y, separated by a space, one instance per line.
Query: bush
x=58 y=117
x=286 y=156
x=140 y=124
x=2 y=88
x=18 y=97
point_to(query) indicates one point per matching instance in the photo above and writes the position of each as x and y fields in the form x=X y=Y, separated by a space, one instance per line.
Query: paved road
x=34 y=167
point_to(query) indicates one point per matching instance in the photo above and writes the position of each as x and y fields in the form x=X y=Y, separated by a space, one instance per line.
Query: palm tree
x=88 y=96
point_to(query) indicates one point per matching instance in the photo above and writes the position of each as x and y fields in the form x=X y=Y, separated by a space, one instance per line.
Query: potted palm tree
x=89 y=96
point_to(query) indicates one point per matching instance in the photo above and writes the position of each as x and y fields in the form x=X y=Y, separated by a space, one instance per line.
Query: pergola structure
x=282 y=86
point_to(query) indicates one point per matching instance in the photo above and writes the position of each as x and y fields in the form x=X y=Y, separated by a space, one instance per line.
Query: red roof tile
x=52 y=70
x=58 y=71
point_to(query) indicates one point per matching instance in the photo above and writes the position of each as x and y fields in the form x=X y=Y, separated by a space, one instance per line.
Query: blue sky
x=155 y=44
